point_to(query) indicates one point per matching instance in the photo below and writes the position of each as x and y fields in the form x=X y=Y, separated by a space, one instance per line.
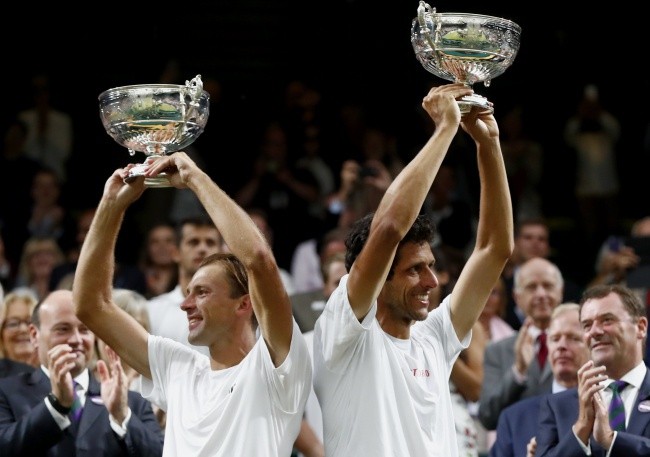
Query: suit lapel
x=640 y=416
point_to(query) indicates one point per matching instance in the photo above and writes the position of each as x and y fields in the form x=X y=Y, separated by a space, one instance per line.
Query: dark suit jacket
x=500 y=389
x=517 y=425
x=558 y=413
x=28 y=429
x=10 y=367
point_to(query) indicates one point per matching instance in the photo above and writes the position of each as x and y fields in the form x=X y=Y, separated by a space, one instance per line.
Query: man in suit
x=512 y=369
x=567 y=351
x=576 y=422
x=36 y=407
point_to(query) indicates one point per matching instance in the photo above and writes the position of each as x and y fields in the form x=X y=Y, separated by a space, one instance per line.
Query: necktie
x=77 y=407
x=616 y=406
x=542 y=351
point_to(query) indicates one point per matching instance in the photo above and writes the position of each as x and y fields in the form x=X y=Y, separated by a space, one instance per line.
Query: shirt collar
x=83 y=379
x=634 y=377
x=557 y=387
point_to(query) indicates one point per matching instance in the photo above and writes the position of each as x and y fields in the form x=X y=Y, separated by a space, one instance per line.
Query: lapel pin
x=644 y=406
x=99 y=401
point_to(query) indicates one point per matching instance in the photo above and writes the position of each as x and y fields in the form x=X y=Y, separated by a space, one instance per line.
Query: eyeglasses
x=14 y=324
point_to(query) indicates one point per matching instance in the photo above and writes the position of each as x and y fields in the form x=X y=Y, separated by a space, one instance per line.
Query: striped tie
x=616 y=406
x=77 y=407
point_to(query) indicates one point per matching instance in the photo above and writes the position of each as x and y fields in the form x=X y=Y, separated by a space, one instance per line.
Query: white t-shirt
x=381 y=396
x=250 y=410
x=169 y=320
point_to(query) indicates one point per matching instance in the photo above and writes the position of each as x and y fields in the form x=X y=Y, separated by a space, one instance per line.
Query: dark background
x=350 y=50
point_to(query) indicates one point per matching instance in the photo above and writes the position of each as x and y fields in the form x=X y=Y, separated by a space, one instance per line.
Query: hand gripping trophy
x=464 y=48
x=156 y=119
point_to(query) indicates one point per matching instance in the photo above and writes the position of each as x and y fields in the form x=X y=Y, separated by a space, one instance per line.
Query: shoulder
x=523 y=406
x=563 y=399
x=14 y=381
x=10 y=367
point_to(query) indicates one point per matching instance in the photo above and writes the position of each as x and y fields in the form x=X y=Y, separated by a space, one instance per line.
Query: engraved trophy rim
x=145 y=88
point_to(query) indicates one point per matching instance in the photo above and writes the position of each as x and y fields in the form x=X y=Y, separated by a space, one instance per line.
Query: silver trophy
x=156 y=119
x=464 y=48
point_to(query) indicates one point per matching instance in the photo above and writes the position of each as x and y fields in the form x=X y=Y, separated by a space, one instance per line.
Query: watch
x=58 y=406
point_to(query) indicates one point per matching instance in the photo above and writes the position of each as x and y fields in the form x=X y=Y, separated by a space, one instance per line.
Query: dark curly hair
x=422 y=231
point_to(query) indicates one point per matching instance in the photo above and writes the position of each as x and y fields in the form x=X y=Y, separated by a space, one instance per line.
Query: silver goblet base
x=162 y=180
x=466 y=103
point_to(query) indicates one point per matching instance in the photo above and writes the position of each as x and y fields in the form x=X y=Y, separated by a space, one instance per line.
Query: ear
x=245 y=304
x=642 y=327
x=33 y=335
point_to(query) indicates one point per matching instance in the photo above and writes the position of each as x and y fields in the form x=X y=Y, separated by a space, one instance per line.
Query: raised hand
x=589 y=378
x=115 y=386
x=60 y=361
x=602 y=432
x=524 y=348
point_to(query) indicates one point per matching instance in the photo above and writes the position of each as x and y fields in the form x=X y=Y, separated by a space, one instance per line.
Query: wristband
x=58 y=406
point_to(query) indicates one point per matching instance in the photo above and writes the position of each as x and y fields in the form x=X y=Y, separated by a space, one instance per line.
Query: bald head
x=538 y=289
x=55 y=324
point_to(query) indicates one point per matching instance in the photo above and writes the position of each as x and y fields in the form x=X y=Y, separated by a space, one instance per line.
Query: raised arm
x=269 y=298
x=494 y=237
x=92 y=289
x=403 y=199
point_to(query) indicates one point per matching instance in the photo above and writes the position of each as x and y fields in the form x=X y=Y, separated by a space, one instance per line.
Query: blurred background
x=351 y=52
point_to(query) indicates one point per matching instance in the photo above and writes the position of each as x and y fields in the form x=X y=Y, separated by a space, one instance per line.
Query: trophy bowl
x=464 y=48
x=156 y=119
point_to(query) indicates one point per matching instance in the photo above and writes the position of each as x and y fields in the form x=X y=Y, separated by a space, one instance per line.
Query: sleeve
x=338 y=330
x=630 y=444
x=165 y=358
x=552 y=442
x=291 y=381
x=26 y=428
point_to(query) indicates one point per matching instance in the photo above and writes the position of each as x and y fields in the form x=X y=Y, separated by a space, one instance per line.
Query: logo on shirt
x=420 y=372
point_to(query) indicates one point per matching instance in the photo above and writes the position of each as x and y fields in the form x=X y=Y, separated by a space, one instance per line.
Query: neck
x=229 y=352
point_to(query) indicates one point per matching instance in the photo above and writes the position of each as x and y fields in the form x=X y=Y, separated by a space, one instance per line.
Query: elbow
x=506 y=248
x=390 y=228
x=87 y=307
x=499 y=248
x=261 y=255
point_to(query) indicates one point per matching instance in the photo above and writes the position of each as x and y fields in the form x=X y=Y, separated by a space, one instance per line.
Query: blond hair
x=5 y=304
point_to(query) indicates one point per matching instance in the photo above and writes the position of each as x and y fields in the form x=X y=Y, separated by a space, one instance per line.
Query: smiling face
x=614 y=337
x=59 y=325
x=217 y=304
x=405 y=296
x=16 y=342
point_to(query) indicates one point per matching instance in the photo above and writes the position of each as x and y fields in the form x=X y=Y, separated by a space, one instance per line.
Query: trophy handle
x=194 y=88
x=424 y=10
